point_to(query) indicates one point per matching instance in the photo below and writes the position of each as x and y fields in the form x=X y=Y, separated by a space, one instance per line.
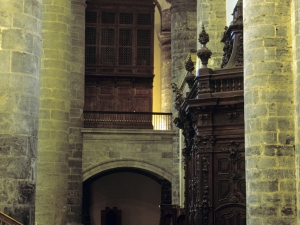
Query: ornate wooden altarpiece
x=211 y=116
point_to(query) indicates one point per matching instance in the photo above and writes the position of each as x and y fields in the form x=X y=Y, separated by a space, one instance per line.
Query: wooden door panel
x=106 y=103
x=231 y=215
x=90 y=103
x=142 y=104
x=124 y=104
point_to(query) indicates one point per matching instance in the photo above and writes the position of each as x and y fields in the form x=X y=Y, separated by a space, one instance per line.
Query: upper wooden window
x=119 y=38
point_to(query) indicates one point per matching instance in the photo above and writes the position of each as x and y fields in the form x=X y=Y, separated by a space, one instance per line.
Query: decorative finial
x=189 y=65
x=203 y=36
x=204 y=53
x=190 y=77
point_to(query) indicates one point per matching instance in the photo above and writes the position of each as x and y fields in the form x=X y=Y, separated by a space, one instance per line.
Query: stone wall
x=269 y=113
x=20 y=55
x=143 y=149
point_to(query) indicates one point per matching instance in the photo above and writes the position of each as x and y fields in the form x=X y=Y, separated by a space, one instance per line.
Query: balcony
x=127 y=120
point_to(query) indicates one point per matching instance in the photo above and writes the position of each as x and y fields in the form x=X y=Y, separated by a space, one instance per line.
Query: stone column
x=296 y=48
x=20 y=55
x=166 y=90
x=53 y=146
x=76 y=111
x=269 y=113
x=183 y=41
x=212 y=14
x=165 y=45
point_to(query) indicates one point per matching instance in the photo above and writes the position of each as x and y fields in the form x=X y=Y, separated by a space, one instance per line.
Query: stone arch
x=127 y=163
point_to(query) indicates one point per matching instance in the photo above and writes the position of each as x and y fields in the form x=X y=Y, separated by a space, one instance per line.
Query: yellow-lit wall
x=157 y=59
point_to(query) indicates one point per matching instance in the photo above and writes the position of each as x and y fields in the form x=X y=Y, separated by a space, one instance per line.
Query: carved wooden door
x=216 y=168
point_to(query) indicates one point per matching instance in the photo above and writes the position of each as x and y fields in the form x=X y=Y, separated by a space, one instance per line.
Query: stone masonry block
x=25 y=22
x=57 y=64
x=262 y=211
x=33 y=8
x=255 y=221
x=5 y=144
x=55 y=26
x=253 y=151
x=285 y=124
x=254 y=111
x=19 y=146
x=288 y=186
x=264 y=186
x=269 y=124
x=59 y=115
x=24 y=63
x=275 y=42
x=5 y=61
x=284 y=173
x=17 y=40
x=261 y=31
x=267 y=68
x=53 y=8
x=14 y=6
x=279 y=221
x=167 y=155
x=272 y=150
x=256 y=10
x=5 y=19
x=274 y=199
x=55 y=135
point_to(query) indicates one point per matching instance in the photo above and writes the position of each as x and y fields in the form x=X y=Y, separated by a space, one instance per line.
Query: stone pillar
x=165 y=45
x=212 y=14
x=76 y=111
x=269 y=113
x=20 y=55
x=53 y=145
x=166 y=90
x=296 y=48
x=183 y=41
x=183 y=36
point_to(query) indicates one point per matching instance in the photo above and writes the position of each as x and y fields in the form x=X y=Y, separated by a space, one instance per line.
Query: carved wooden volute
x=233 y=39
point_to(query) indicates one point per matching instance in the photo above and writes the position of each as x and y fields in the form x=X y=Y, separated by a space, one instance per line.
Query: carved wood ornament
x=211 y=116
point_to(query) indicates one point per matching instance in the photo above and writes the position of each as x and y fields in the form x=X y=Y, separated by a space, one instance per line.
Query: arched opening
x=136 y=193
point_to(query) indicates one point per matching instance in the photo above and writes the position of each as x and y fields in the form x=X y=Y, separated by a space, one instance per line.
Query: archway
x=136 y=192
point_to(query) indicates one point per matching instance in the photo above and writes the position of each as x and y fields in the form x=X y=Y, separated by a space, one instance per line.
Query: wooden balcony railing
x=128 y=120
x=6 y=220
